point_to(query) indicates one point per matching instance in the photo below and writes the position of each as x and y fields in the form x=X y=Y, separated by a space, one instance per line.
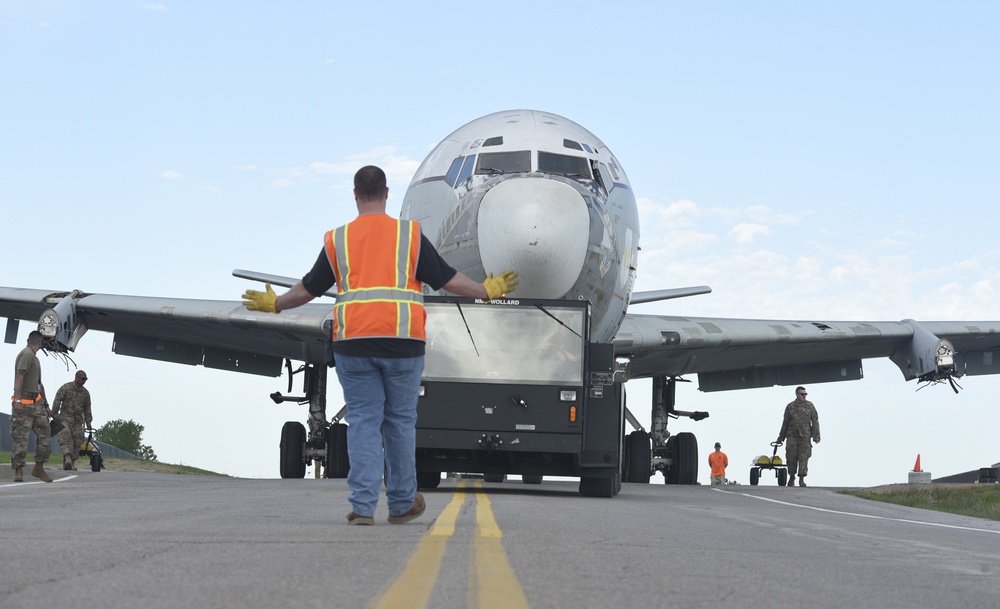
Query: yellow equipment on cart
x=89 y=448
x=773 y=462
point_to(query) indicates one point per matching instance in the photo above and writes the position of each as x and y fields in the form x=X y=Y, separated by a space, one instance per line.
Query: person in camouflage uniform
x=72 y=407
x=29 y=411
x=801 y=423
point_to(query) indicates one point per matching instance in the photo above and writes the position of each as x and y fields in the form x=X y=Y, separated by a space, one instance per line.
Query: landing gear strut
x=299 y=447
x=676 y=456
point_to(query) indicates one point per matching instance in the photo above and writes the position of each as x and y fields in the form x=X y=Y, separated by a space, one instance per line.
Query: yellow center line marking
x=492 y=582
x=495 y=585
x=413 y=586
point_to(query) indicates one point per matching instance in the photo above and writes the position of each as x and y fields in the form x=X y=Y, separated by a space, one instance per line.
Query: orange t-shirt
x=718 y=461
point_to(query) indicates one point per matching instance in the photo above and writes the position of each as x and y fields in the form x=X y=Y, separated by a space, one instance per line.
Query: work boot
x=72 y=463
x=415 y=511
x=802 y=480
x=39 y=472
x=791 y=481
x=19 y=474
x=355 y=518
x=67 y=463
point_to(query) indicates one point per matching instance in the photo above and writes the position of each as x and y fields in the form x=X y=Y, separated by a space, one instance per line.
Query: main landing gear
x=676 y=456
x=324 y=443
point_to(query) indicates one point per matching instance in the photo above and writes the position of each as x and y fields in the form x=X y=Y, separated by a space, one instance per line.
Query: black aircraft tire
x=293 y=439
x=337 y=461
x=684 y=469
x=755 y=476
x=637 y=457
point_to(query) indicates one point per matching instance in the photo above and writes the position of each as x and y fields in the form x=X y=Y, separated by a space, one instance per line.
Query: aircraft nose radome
x=538 y=228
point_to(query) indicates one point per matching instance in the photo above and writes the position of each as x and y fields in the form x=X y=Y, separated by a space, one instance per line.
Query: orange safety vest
x=374 y=259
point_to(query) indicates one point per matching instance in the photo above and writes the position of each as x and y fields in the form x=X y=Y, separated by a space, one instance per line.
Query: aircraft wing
x=743 y=353
x=214 y=333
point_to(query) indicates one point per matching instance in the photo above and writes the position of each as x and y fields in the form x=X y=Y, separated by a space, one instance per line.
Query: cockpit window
x=452 y=174
x=562 y=164
x=504 y=162
x=470 y=162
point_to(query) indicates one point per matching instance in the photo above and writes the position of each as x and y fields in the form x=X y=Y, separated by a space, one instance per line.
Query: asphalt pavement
x=113 y=539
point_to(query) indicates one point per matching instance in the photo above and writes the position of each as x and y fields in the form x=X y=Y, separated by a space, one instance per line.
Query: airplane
x=535 y=192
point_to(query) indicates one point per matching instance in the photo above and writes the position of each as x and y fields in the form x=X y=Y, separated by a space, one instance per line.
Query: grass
x=978 y=501
x=121 y=465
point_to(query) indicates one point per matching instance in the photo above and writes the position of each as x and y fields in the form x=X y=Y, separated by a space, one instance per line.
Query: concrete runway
x=114 y=539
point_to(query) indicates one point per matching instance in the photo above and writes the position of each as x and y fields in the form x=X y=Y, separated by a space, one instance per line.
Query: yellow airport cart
x=774 y=462
x=89 y=448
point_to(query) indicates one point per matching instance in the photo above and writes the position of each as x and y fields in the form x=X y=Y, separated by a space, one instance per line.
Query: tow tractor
x=514 y=386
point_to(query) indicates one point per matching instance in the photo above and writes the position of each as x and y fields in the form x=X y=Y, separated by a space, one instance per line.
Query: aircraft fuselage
x=538 y=194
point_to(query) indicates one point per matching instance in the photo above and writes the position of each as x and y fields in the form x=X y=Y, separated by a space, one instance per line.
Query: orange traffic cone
x=916 y=466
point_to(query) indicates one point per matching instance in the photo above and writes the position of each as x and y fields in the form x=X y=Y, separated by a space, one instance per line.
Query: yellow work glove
x=260 y=301
x=503 y=284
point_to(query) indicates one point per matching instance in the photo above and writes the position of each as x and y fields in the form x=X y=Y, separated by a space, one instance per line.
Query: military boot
x=72 y=463
x=67 y=463
x=39 y=472
x=802 y=480
x=19 y=474
x=791 y=481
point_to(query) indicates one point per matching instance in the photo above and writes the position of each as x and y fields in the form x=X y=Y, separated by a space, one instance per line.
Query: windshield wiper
x=558 y=321
x=467 y=329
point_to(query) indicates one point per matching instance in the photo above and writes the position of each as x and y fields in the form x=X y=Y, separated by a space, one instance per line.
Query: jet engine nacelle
x=61 y=326
x=926 y=357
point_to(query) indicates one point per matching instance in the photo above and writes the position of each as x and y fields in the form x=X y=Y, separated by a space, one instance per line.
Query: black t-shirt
x=431 y=269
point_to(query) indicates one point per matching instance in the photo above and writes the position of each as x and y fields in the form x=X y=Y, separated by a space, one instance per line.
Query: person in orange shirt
x=718 y=461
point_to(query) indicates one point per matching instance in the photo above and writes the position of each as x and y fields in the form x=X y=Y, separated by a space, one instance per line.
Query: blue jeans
x=381 y=396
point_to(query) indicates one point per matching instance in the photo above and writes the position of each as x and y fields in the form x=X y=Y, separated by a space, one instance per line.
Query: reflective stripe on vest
x=379 y=296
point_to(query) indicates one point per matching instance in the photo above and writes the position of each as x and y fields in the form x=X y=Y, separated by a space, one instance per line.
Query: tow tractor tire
x=293 y=440
x=637 y=457
x=531 y=478
x=782 y=477
x=684 y=469
x=428 y=479
x=755 y=476
x=600 y=487
x=337 y=461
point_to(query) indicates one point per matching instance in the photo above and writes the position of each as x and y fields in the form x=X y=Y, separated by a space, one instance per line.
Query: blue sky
x=819 y=162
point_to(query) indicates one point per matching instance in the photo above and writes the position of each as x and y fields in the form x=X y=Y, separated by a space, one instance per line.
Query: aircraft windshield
x=563 y=164
x=540 y=352
x=504 y=162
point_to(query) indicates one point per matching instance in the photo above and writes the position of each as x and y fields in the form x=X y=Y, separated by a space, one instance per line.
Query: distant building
x=983 y=475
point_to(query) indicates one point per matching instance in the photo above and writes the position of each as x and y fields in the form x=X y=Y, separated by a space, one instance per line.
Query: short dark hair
x=35 y=337
x=799 y=389
x=369 y=183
